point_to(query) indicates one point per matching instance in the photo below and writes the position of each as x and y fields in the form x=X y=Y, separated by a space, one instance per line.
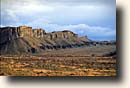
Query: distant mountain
x=25 y=40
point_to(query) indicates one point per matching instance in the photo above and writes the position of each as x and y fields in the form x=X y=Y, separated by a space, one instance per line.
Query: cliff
x=24 y=39
x=22 y=31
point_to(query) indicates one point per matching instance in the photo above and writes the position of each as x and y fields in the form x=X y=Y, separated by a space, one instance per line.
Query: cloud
x=78 y=2
x=93 y=32
x=63 y=2
x=25 y=7
x=82 y=11
x=85 y=17
x=8 y=17
x=2 y=26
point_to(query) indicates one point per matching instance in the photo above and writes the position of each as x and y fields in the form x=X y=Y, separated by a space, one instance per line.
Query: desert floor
x=83 y=61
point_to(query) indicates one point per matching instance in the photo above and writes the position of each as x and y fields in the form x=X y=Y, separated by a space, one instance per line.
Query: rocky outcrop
x=9 y=33
x=39 y=33
x=23 y=31
x=24 y=39
x=84 y=38
x=61 y=34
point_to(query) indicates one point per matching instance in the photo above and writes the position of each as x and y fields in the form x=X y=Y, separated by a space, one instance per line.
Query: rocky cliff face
x=22 y=31
x=24 y=39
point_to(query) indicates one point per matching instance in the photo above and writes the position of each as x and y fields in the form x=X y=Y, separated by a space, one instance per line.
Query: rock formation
x=25 y=40
x=22 y=31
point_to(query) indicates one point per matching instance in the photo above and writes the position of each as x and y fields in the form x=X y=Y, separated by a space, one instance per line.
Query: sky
x=93 y=18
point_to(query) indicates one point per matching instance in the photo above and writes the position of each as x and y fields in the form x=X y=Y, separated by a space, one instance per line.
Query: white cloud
x=2 y=26
x=26 y=7
x=32 y=9
x=82 y=30
x=56 y=15
x=57 y=11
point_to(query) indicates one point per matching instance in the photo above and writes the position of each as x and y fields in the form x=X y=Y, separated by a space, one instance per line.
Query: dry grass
x=61 y=63
x=59 y=66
